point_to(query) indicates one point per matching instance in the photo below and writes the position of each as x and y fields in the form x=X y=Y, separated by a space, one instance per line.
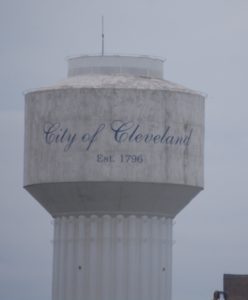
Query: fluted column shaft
x=112 y=258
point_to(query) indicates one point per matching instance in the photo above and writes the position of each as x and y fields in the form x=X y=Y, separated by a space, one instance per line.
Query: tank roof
x=121 y=81
x=117 y=72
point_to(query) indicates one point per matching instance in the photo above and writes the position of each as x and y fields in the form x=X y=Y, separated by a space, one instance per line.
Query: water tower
x=113 y=153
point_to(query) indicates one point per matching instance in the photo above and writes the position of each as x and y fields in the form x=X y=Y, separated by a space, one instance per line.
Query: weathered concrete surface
x=114 y=149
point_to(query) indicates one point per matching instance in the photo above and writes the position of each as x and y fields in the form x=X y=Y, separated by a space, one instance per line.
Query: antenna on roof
x=102 y=35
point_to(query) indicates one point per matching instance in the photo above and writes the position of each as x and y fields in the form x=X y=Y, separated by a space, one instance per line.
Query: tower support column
x=112 y=258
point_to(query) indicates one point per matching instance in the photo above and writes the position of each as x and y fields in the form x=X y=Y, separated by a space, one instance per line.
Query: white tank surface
x=114 y=137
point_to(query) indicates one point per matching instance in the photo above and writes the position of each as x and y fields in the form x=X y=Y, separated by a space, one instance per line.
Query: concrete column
x=112 y=258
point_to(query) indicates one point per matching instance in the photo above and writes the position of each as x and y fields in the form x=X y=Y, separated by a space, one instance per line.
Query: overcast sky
x=205 y=44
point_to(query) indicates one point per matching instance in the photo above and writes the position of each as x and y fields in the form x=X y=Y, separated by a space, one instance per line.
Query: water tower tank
x=113 y=153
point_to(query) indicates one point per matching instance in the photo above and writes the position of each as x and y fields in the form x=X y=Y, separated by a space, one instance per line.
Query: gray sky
x=206 y=47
